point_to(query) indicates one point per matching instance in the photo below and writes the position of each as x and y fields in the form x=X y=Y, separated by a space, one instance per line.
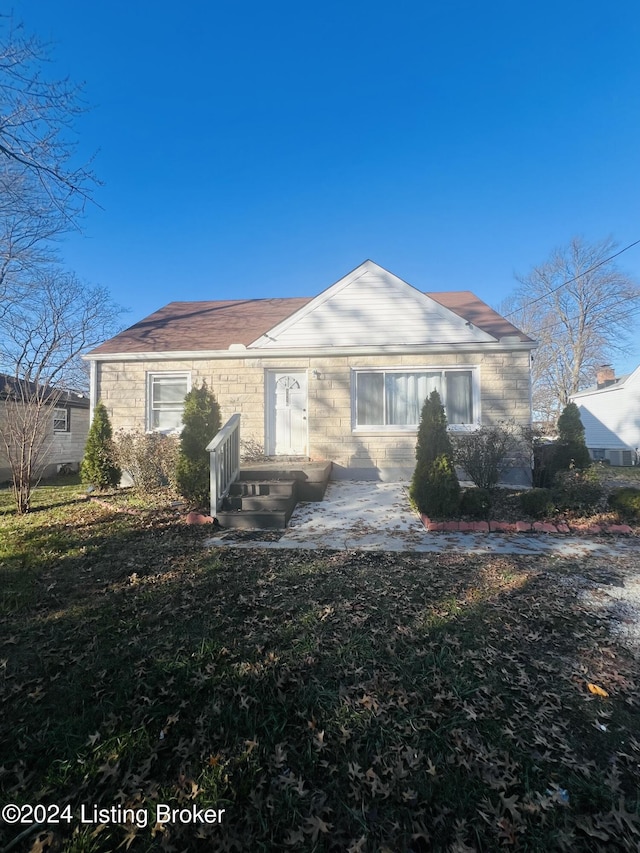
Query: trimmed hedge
x=537 y=503
x=476 y=503
x=626 y=501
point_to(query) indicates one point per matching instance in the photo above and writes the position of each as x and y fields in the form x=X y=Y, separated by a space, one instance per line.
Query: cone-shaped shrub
x=434 y=488
x=201 y=419
x=571 y=449
x=98 y=466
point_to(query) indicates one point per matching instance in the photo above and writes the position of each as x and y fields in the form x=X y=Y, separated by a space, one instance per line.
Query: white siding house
x=66 y=425
x=610 y=413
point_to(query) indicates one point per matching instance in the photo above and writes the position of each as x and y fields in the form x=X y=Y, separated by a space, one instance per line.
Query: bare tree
x=47 y=317
x=43 y=187
x=24 y=432
x=579 y=306
x=41 y=342
x=37 y=116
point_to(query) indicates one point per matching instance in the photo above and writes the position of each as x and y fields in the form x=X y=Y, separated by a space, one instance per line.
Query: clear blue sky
x=253 y=149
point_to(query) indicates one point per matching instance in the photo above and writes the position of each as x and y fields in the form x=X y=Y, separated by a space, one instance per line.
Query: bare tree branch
x=577 y=306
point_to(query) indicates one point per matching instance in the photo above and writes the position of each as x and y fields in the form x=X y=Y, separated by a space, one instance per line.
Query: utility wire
x=553 y=325
x=571 y=280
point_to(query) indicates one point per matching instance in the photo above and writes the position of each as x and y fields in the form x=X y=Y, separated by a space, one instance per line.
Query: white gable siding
x=371 y=306
x=611 y=417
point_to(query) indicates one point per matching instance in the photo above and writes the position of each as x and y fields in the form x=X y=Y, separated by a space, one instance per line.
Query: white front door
x=287 y=413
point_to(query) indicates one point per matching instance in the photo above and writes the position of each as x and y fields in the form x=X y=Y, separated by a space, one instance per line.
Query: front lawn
x=325 y=701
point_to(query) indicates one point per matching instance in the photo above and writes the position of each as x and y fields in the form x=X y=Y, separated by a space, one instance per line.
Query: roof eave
x=315 y=352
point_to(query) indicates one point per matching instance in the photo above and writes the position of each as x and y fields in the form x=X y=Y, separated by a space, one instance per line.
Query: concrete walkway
x=378 y=517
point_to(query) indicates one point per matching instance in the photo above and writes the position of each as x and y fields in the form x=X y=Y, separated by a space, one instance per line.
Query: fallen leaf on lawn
x=358 y=846
x=295 y=837
x=597 y=691
x=314 y=826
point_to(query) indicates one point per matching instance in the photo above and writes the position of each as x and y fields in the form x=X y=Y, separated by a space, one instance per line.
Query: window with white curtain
x=166 y=393
x=394 y=398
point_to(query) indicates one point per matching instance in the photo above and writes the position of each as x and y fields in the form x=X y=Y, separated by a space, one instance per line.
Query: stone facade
x=239 y=385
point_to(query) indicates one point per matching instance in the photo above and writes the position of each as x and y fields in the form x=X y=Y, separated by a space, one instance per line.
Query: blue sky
x=266 y=149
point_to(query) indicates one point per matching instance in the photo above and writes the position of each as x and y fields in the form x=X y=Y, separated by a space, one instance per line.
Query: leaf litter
x=328 y=701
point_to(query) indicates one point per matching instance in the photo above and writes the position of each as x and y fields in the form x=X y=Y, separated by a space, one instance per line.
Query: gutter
x=243 y=353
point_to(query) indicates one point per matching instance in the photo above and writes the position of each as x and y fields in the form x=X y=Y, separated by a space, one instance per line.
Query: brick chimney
x=605 y=375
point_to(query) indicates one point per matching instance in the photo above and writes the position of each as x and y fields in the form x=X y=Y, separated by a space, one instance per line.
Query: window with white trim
x=393 y=399
x=165 y=395
x=61 y=420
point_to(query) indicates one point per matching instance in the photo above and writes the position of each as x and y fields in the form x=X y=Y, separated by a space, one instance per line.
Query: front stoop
x=311 y=477
x=259 y=504
x=265 y=494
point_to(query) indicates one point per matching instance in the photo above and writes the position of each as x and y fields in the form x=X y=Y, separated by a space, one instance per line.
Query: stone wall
x=239 y=385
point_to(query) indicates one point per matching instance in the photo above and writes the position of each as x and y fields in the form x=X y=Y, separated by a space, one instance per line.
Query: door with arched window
x=287 y=425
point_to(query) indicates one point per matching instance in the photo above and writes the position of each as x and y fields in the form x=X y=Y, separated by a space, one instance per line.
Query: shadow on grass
x=50 y=494
x=417 y=702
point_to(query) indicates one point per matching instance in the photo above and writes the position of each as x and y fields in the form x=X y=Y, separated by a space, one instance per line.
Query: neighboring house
x=610 y=413
x=341 y=376
x=66 y=423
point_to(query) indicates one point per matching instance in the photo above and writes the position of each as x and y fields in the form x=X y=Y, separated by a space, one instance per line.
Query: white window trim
x=57 y=417
x=385 y=429
x=165 y=374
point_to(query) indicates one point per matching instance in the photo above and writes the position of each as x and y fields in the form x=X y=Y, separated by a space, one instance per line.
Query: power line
x=571 y=280
x=633 y=311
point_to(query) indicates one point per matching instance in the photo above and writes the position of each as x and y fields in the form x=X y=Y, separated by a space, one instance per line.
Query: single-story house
x=66 y=426
x=341 y=376
x=610 y=414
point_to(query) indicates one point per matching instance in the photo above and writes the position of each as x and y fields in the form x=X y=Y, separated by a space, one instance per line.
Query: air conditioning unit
x=621 y=458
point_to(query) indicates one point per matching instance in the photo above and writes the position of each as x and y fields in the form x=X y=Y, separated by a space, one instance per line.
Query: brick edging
x=521 y=527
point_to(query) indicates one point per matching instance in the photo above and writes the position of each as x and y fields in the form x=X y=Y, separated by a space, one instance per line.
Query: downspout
x=93 y=389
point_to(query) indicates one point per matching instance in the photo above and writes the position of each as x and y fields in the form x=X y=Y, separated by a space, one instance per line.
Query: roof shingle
x=214 y=326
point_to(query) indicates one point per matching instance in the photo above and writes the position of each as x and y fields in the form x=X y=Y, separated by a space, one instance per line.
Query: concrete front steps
x=266 y=493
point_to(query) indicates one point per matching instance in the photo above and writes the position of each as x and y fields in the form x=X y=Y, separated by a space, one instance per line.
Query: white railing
x=224 y=461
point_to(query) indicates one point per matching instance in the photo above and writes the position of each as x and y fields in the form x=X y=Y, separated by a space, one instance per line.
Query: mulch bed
x=507 y=516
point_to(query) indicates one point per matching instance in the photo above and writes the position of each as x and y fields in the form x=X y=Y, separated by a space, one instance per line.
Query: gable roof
x=371 y=304
x=254 y=323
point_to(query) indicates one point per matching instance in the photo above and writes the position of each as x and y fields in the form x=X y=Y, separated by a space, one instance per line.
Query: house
x=341 y=376
x=66 y=426
x=610 y=414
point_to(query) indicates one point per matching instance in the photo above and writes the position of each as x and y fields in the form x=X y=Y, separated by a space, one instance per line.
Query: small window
x=598 y=454
x=166 y=400
x=61 y=420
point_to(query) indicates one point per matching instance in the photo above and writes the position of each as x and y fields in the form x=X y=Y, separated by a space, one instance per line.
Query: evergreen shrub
x=98 y=463
x=537 y=503
x=571 y=450
x=201 y=419
x=434 y=487
x=577 y=490
x=476 y=503
x=626 y=501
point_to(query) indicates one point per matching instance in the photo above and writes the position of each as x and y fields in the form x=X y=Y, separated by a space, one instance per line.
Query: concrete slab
x=376 y=516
